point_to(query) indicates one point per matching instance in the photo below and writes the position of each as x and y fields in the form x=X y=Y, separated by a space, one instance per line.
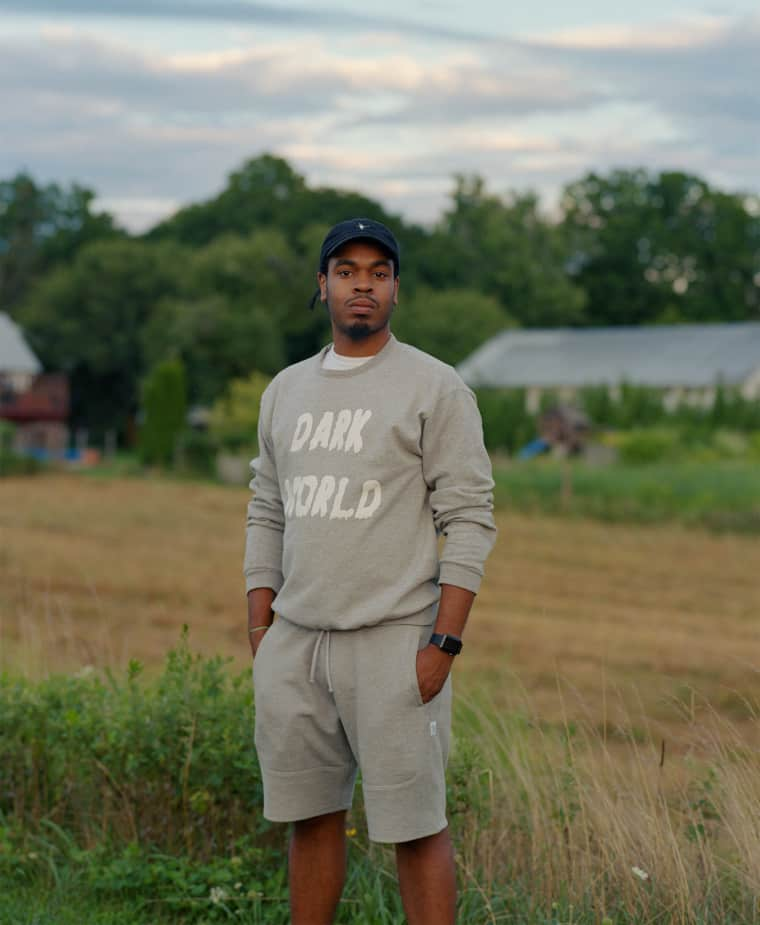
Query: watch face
x=452 y=646
x=449 y=644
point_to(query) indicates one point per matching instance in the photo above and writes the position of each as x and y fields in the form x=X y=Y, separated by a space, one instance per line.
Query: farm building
x=18 y=365
x=685 y=361
x=35 y=402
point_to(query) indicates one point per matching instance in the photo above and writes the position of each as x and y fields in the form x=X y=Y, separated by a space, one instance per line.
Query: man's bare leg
x=427 y=877
x=316 y=868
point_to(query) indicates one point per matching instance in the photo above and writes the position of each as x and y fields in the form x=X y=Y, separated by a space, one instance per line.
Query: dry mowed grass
x=586 y=617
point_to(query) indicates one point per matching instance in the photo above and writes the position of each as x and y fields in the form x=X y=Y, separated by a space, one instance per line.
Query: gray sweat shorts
x=331 y=702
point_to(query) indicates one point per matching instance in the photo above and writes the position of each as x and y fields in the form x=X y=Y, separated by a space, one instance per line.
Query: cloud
x=235 y=11
x=704 y=74
x=663 y=35
x=277 y=81
x=157 y=126
x=90 y=71
x=393 y=118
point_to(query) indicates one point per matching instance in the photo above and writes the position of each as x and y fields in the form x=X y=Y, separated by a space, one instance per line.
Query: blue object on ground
x=41 y=455
x=534 y=448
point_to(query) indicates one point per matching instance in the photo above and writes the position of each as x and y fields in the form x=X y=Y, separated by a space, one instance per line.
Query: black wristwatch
x=447 y=643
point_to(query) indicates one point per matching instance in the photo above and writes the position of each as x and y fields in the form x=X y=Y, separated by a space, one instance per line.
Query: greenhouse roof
x=689 y=355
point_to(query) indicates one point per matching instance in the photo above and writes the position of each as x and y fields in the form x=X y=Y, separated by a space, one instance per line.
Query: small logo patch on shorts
x=433 y=727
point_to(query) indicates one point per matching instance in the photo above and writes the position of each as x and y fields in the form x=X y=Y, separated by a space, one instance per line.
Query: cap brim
x=362 y=236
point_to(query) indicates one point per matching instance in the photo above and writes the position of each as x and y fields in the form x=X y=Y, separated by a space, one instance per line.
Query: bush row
x=507 y=425
x=169 y=764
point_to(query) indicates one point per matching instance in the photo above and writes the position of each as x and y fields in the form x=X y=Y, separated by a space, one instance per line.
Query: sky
x=152 y=103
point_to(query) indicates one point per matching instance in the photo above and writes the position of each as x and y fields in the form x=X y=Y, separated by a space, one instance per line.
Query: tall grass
x=610 y=820
x=158 y=782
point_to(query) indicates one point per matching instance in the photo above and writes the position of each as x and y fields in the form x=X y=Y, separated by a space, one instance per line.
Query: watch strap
x=452 y=645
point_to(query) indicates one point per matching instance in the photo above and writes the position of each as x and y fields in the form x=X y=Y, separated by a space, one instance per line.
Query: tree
x=243 y=306
x=164 y=405
x=662 y=248
x=505 y=248
x=449 y=324
x=216 y=339
x=87 y=318
x=265 y=193
x=41 y=227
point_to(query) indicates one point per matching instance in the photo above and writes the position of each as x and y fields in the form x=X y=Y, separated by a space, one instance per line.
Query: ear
x=395 y=291
x=322 y=280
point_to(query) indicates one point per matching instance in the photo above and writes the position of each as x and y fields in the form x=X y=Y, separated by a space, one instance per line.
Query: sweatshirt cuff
x=459 y=575
x=263 y=578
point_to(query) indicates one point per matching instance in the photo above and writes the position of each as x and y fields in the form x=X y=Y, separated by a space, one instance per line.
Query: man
x=367 y=451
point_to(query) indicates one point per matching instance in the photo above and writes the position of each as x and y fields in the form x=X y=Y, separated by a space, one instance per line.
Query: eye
x=381 y=274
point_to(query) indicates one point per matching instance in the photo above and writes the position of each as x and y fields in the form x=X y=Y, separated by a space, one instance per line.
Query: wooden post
x=566 y=496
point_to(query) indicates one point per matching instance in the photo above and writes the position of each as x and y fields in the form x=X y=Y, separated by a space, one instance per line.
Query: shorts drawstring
x=315 y=654
x=329 y=673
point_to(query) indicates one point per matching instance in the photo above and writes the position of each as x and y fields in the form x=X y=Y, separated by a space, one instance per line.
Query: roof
x=15 y=354
x=690 y=355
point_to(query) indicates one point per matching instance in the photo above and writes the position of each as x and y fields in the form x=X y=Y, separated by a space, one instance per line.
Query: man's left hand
x=433 y=667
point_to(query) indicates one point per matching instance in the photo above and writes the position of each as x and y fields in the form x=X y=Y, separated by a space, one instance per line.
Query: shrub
x=7 y=431
x=165 y=409
x=12 y=464
x=598 y=404
x=730 y=444
x=506 y=423
x=235 y=416
x=167 y=764
x=649 y=446
x=197 y=452
x=641 y=406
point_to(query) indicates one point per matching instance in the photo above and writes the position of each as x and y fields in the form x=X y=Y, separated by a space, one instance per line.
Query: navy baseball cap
x=359 y=229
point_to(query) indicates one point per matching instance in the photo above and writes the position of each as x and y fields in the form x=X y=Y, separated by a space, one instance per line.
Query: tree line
x=223 y=285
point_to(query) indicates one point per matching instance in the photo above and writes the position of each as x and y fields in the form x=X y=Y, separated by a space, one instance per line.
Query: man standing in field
x=367 y=451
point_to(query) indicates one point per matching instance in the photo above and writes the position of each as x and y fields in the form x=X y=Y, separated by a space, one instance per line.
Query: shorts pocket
x=259 y=663
x=418 y=640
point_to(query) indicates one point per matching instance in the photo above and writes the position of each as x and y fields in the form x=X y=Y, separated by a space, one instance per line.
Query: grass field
x=721 y=495
x=100 y=572
x=642 y=637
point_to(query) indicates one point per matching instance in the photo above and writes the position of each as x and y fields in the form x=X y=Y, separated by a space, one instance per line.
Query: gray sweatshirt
x=358 y=472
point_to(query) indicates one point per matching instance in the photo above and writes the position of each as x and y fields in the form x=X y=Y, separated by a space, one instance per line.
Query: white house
x=18 y=365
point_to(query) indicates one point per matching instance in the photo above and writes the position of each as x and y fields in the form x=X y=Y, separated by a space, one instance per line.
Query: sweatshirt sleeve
x=457 y=470
x=266 y=520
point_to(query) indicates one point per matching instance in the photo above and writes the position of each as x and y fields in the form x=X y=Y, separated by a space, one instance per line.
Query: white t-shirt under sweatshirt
x=359 y=470
x=333 y=360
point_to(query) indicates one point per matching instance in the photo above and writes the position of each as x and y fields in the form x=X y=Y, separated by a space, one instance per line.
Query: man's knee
x=326 y=823
x=436 y=842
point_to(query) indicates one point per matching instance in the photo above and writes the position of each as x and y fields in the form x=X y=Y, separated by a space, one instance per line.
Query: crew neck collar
x=371 y=363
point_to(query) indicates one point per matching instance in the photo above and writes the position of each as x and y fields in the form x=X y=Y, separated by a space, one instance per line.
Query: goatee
x=359 y=330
